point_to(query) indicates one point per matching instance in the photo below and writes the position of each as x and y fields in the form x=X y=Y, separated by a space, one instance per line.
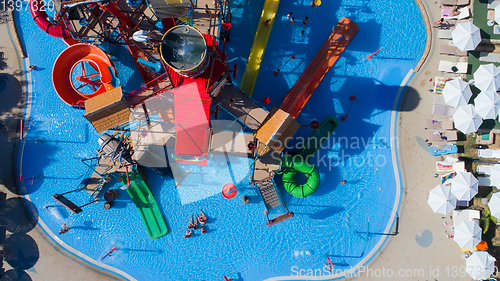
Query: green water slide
x=152 y=218
x=292 y=166
x=319 y=136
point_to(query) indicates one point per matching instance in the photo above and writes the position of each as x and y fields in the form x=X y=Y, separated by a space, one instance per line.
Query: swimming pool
x=343 y=221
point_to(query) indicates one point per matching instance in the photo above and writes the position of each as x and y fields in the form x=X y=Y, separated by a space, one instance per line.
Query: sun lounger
x=444 y=34
x=489 y=57
x=453 y=67
x=451 y=50
x=437 y=124
x=496 y=29
x=439 y=83
x=455 y=2
x=439 y=100
x=450 y=167
x=484 y=181
x=446 y=179
x=463 y=13
x=443 y=110
x=443 y=149
x=444 y=136
x=492 y=4
x=489 y=153
x=484 y=169
x=462 y=215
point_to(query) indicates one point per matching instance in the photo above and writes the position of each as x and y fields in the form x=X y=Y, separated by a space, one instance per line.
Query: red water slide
x=37 y=8
x=300 y=93
x=95 y=67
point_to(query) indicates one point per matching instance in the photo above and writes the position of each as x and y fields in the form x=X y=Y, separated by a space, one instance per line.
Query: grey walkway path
x=28 y=253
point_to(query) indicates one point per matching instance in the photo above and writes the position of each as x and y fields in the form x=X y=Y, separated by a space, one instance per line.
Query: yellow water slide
x=259 y=45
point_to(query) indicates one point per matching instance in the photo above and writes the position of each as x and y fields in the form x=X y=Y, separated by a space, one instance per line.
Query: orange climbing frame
x=300 y=93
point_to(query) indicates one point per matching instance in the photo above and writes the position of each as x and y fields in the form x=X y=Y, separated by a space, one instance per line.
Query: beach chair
x=446 y=179
x=455 y=2
x=444 y=136
x=463 y=13
x=444 y=34
x=484 y=181
x=489 y=153
x=489 y=57
x=443 y=110
x=484 y=169
x=492 y=4
x=439 y=84
x=437 y=124
x=453 y=67
x=448 y=167
x=439 y=100
x=451 y=50
x=496 y=29
x=443 y=149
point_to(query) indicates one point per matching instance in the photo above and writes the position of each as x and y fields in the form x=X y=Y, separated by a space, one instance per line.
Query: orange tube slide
x=300 y=93
x=65 y=63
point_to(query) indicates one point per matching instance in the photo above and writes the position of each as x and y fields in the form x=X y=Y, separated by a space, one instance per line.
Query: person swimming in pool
x=188 y=233
x=196 y=223
x=202 y=218
x=203 y=230
x=190 y=223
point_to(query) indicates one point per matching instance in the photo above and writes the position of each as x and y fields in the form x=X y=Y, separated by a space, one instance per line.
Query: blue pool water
x=343 y=221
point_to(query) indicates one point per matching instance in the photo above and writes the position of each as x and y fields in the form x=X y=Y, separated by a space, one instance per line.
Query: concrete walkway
x=420 y=250
x=28 y=253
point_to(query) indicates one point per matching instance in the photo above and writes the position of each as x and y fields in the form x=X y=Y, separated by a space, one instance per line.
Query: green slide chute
x=152 y=218
x=292 y=166
x=319 y=136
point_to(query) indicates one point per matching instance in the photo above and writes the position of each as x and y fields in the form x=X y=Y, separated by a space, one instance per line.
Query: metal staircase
x=269 y=194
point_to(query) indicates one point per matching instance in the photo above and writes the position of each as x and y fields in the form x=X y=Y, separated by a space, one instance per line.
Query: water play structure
x=201 y=188
x=186 y=71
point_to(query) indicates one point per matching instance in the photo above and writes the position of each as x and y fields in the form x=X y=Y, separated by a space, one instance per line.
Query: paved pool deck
x=419 y=251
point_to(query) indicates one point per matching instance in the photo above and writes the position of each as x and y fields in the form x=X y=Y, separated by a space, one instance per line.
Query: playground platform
x=241 y=106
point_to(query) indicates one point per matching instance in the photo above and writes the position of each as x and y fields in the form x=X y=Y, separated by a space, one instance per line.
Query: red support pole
x=128 y=179
x=86 y=80
x=21 y=130
x=29 y=179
